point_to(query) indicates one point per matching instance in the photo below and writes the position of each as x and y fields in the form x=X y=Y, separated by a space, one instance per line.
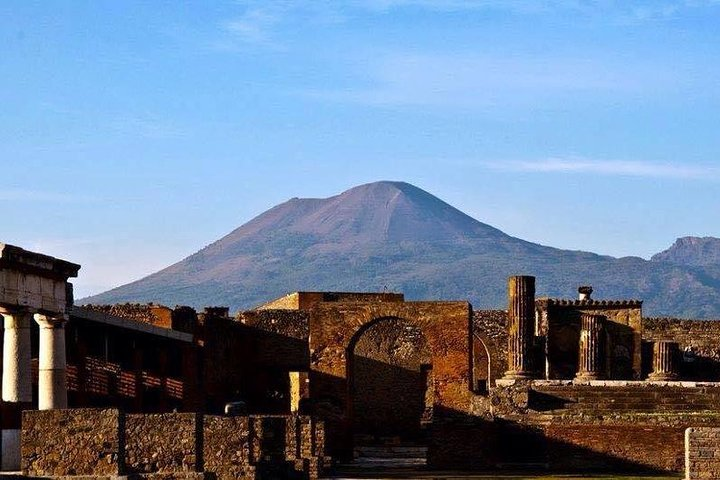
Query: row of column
x=17 y=374
x=592 y=361
x=591 y=364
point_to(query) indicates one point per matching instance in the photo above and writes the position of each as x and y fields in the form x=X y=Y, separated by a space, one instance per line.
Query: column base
x=10 y=450
x=662 y=377
x=587 y=377
x=512 y=375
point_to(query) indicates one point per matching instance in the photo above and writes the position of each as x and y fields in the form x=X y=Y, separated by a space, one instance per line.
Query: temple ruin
x=318 y=382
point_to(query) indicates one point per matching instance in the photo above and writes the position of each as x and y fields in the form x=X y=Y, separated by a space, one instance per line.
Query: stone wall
x=698 y=339
x=702 y=453
x=391 y=378
x=164 y=443
x=308 y=300
x=72 y=442
x=248 y=358
x=226 y=446
x=174 y=445
x=491 y=327
x=609 y=426
x=288 y=323
x=559 y=325
x=139 y=312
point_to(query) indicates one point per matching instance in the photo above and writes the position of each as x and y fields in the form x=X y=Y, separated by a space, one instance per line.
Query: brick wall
x=618 y=448
x=702 y=453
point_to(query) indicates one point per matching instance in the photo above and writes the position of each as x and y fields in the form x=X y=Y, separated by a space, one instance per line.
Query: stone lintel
x=544 y=303
x=16 y=258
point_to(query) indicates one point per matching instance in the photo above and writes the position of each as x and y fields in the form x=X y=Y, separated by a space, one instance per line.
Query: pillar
x=665 y=365
x=521 y=326
x=590 y=366
x=294 y=383
x=16 y=383
x=52 y=380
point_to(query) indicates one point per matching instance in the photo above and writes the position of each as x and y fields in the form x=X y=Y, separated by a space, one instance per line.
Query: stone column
x=52 y=380
x=521 y=325
x=294 y=383
x=590 y=366
x=16 y=383
x=665 y=366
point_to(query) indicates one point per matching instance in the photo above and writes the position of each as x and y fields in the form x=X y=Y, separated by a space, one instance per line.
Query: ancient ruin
x=318 y=382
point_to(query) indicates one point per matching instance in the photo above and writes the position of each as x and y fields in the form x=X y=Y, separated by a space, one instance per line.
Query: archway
x=482 y=371
x=390 y=380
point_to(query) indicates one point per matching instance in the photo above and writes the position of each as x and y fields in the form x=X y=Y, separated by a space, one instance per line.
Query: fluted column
x=52 y=380
x=521 y=323
x=16 y=383
x=590 y=365
x=665 y=356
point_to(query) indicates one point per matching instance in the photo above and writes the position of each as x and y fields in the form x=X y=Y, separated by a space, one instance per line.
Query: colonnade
x=17 y=373
x=592 y=349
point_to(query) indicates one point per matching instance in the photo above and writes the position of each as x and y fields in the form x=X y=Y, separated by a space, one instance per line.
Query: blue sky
x=134 y=133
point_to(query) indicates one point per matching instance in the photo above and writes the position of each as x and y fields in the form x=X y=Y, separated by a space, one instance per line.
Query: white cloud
x=611 y=167
x=256 y=24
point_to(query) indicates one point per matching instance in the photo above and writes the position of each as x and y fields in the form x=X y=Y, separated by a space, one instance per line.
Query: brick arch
x=389 y=378
x=482 y=364
x=445 y=325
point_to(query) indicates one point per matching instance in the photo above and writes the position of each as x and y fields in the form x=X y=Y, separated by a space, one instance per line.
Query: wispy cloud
x=259 y=21
x=476 y=81
x=627 y=168
x=264 y=23
x=255 y=25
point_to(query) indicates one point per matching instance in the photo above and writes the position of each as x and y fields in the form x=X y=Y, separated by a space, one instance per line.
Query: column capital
x=15 y=310
x=16 y=317
x=51 y=321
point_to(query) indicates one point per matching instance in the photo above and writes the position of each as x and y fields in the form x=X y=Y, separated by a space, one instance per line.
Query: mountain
x=693 y=251
x=394 y=235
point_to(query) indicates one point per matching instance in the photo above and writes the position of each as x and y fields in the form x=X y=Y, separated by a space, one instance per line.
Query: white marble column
x=52 y=380
x=16 y=383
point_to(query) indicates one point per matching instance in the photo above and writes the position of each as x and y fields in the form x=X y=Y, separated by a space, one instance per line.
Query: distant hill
x=695 y=251
x=394 y=235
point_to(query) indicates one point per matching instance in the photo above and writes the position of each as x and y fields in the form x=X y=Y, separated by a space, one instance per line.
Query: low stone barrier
x=162 y=443
x=109 y=443
x=72 y=442
x=702 y=453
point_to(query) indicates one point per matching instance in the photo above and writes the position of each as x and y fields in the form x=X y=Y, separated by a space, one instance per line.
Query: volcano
x=397 y=237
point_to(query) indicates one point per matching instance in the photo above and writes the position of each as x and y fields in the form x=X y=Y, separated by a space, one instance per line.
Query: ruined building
x=319 y=380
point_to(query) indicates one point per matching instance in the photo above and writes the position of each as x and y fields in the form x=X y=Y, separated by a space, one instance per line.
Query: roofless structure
x=319 y=381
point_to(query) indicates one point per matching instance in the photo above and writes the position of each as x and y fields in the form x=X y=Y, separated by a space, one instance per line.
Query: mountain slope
x=395 y=235
x=692 y=251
